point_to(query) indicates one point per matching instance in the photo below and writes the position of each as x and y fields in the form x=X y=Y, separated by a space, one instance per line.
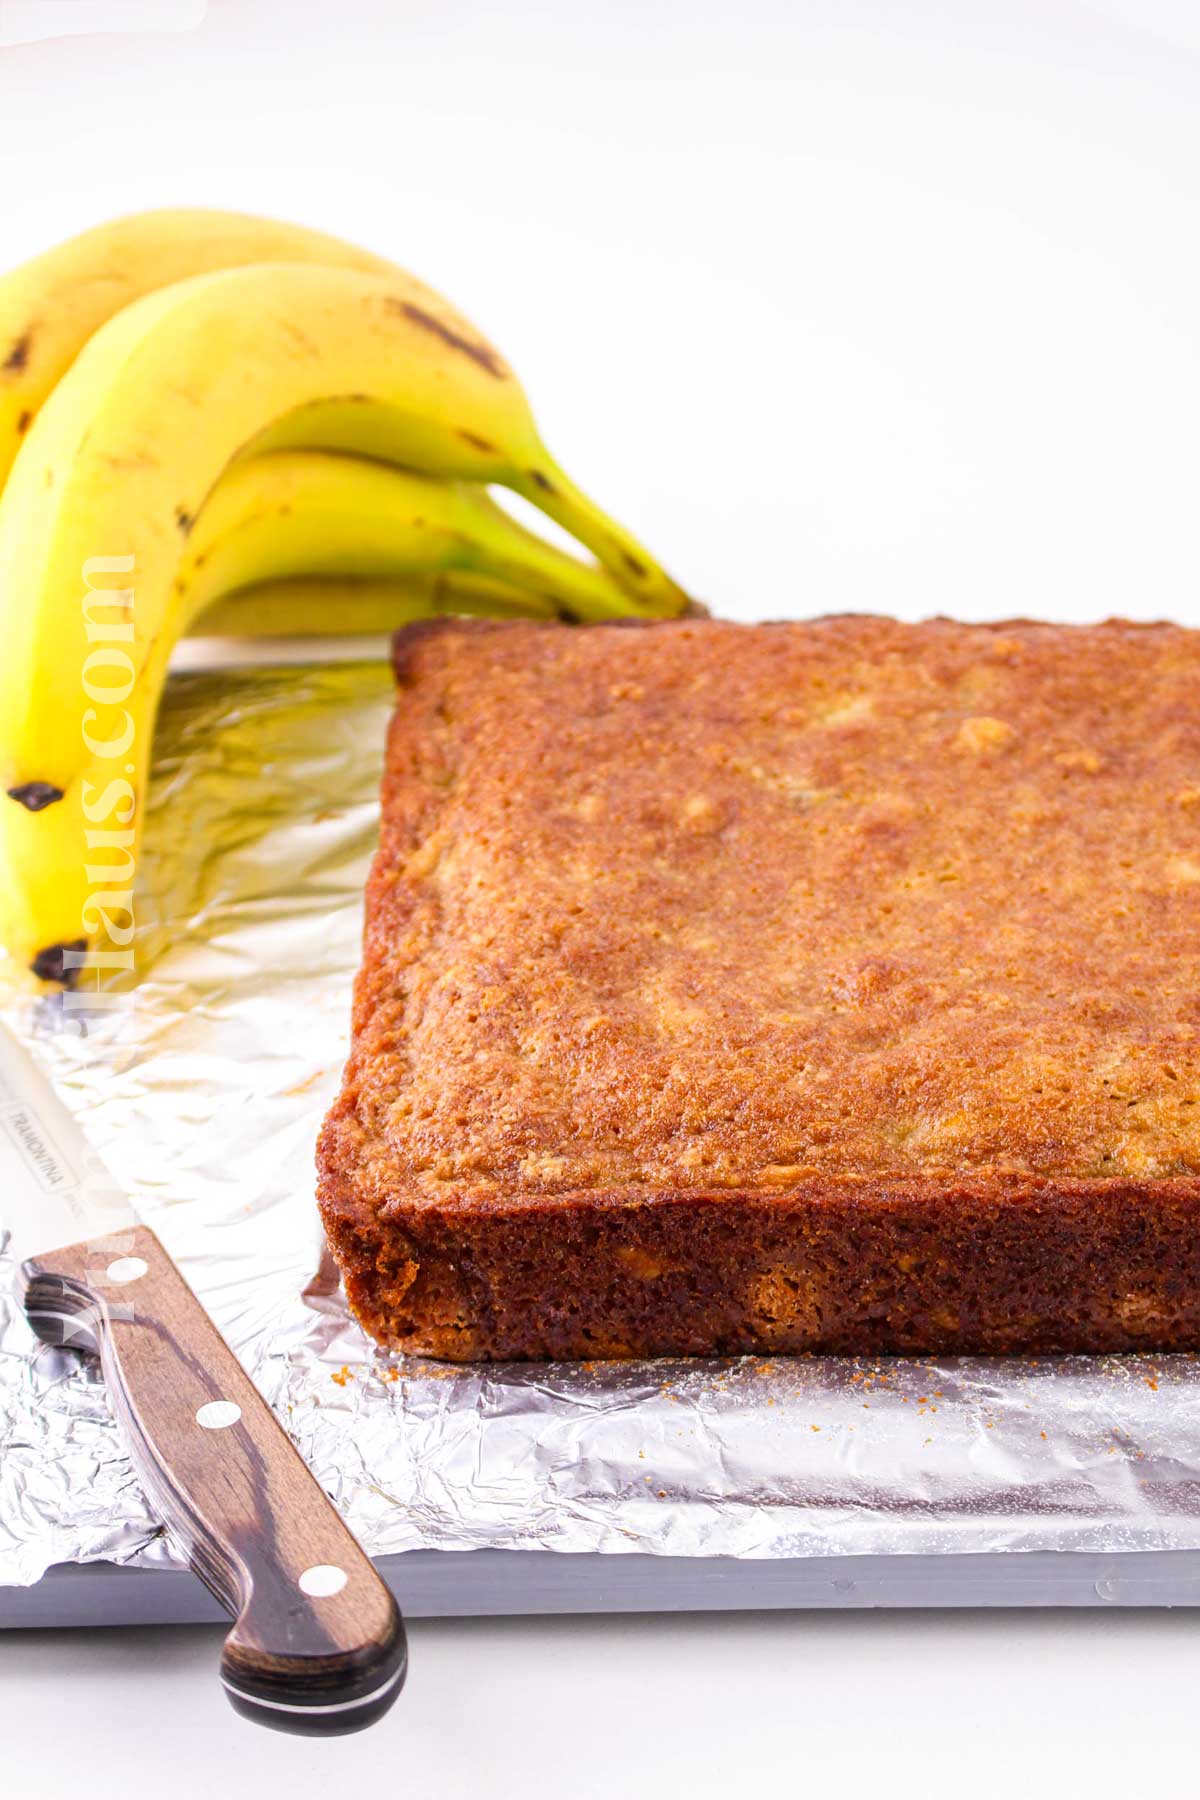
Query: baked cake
x=776 y=988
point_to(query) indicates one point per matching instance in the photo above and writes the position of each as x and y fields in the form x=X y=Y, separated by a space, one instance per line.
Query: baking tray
x=517 y=1491
x=440 y=1584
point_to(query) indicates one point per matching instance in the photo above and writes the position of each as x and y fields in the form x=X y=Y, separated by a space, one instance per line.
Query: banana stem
x=515 y=555
x=630 y=564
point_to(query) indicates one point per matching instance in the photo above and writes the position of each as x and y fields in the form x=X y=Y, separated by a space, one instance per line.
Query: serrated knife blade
x=55 y=1188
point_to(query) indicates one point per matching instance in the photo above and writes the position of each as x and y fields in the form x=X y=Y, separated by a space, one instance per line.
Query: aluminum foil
x=205 y=1091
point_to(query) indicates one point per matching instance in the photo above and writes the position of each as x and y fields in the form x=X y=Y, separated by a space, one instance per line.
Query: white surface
x=912 y=1707
x=841 y=304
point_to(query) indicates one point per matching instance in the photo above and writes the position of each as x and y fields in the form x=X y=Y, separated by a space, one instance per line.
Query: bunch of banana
x=223 y=423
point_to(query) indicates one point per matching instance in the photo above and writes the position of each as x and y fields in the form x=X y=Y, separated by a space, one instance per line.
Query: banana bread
x=782 y=987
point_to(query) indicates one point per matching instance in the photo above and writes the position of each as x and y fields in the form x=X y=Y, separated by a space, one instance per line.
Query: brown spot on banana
x=24 y=421
x=561 y=608
x=184 y=519
x=541 y=481
x=482 y=444
x=634 y=566
x=17 y=359
x=480 y=353
x=35 y=796
x=48 y=964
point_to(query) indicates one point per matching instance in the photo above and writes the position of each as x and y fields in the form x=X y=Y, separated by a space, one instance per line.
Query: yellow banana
x=51 y=305
x=107 y=487
x=310 y=513
x=361 y=605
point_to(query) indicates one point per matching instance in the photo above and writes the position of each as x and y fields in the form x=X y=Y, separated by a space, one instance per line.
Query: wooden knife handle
x=317 y=1644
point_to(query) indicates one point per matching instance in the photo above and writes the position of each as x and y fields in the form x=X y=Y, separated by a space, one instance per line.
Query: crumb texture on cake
x=751 y=921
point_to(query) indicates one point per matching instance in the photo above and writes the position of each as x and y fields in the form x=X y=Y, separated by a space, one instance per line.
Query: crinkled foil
x=205 y=1093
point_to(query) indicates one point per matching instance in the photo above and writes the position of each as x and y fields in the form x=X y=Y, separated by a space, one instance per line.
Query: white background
x=840 y=305
x=881 y=304
x=823 y=1706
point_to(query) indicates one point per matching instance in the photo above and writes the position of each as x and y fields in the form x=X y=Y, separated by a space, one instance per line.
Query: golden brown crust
x=830 y=984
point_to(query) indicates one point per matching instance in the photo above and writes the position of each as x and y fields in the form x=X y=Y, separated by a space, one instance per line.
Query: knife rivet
x=215 y=1415
x=322 y=1580
x=126 y=1268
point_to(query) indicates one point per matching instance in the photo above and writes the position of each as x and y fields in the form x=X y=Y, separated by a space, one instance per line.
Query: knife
x=317 y=1644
